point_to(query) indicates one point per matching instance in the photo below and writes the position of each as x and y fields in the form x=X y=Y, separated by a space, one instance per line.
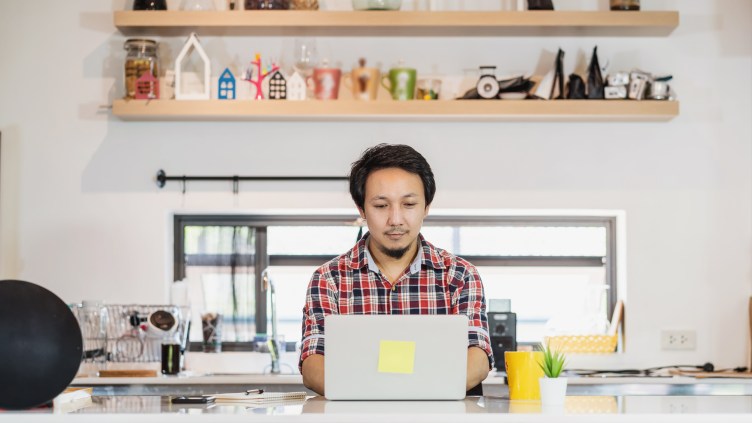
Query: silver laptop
x=395 y=357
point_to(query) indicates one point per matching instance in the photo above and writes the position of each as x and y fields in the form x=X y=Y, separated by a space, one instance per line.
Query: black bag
x=595 y=78
x=540 y=5
x=576 y=89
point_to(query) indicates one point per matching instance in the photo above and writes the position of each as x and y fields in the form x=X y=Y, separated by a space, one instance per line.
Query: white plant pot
x=553 y=391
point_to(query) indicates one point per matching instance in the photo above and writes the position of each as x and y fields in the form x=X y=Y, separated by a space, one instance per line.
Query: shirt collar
x=414 y=266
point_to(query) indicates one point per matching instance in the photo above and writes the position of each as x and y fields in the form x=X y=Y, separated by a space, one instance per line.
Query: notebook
x=395 y=357
x=242 y=397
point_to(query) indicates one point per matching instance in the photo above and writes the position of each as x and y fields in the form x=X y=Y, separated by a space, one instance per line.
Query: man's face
x=394 y=209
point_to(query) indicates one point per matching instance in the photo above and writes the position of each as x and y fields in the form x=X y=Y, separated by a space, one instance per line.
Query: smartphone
x=199 y=399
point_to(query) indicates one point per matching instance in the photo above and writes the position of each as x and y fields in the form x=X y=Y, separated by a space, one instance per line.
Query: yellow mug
x=523 y=372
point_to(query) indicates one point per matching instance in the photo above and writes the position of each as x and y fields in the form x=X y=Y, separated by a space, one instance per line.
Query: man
x=393 y=269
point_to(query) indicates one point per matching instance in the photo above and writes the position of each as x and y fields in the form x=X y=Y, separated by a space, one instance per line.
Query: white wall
x=81 y=215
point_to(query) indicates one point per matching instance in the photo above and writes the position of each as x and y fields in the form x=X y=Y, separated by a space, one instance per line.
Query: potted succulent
x=553 y=388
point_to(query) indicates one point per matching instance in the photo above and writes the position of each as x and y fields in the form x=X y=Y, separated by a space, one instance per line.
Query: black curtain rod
x=162 y=178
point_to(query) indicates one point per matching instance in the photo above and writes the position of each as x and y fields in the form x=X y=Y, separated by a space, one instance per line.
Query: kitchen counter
x=493 y=385
x=665 y=409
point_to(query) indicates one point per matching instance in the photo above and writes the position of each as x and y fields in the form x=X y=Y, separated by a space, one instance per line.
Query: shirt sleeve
x=472 y=302
x=320 y=301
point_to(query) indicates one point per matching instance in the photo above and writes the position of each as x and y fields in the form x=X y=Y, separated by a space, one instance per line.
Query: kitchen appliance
x=503 y=332
x=502 y=328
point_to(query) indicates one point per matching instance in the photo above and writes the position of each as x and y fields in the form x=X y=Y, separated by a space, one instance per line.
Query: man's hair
x=385 y=156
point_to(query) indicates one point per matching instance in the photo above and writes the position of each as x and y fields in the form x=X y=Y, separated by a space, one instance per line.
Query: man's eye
x=379 y=206
x=410 y=205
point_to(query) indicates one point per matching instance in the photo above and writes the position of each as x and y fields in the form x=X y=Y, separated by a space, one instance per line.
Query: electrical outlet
x=679 y=404
x=678 y=340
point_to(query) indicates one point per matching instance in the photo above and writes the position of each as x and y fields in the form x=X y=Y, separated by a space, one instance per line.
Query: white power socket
x=678 y=340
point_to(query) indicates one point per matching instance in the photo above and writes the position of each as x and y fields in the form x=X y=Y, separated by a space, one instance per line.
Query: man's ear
x=426 y=212
x=362 y=213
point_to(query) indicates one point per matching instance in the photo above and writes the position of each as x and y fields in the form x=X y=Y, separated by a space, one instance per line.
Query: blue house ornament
x=226 y=89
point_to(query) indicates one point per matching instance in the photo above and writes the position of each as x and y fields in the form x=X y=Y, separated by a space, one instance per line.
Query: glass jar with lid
x=141 y=58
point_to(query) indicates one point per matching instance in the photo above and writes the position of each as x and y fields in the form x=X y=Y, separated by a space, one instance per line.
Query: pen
x=254 y=391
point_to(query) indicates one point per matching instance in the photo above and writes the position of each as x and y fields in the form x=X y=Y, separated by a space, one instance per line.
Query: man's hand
x=313 y=373
x=477 y=367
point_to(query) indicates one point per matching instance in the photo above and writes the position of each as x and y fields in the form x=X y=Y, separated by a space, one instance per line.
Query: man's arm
x=313 y=373
x=477 y=367
x=472 y=303
x=321 y=300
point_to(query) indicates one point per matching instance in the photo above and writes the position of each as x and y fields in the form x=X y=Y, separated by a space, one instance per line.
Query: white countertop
x=664 y=409
x=296 y=379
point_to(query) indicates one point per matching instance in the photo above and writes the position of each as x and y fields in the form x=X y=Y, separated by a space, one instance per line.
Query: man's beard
x=396 y=253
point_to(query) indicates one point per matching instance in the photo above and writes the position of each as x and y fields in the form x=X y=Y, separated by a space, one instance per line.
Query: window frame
x=261 y=260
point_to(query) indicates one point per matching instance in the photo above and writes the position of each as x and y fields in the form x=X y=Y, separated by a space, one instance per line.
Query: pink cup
x=326 y=83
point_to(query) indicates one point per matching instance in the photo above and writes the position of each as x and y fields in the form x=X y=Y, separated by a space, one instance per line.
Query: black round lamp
x=40 y=345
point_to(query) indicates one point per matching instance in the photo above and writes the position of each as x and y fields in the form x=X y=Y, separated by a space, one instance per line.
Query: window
x=570 y=259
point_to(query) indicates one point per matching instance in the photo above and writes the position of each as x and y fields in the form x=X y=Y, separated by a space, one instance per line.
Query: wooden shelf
x=396 y=23
x=350 y=110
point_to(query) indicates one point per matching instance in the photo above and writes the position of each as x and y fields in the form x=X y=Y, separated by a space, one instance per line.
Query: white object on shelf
x=546 y=86
x=181 y=91
x=197 y=5
x=296 y=87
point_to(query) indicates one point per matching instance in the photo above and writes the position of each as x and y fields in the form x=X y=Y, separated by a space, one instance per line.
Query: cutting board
x=128 y=373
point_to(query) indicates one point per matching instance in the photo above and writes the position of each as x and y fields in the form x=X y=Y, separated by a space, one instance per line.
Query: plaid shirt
x=437 y=282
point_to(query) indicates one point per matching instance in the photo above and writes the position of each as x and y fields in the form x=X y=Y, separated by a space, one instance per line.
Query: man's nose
x=395 y=217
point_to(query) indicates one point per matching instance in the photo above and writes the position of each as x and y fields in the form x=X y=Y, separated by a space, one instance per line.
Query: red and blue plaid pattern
x=444 y=284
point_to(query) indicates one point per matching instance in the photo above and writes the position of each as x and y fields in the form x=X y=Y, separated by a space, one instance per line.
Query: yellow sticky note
x=396 y=357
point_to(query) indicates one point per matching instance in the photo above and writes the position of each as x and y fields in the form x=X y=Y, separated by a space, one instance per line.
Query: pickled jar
x=141 y=58
x=625 y=4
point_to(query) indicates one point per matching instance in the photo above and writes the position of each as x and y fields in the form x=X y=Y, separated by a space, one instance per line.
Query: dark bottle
x=149 y=5
x=170 y=359
x=625 y=4
x=267 y=4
